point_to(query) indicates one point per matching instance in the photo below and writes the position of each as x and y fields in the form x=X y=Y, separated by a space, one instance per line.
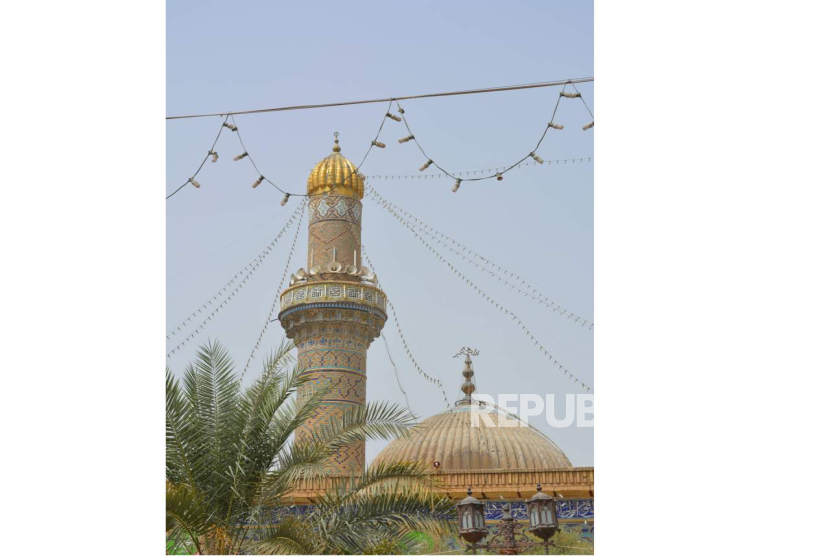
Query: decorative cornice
x=487 y=484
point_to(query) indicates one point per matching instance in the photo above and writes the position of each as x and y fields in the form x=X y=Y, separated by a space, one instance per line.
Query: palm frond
x=288 y=536
x=186 y=511
x=256 y=410
x=229 y=454
x=176 y=421
x=375 y=421
x=390 y=513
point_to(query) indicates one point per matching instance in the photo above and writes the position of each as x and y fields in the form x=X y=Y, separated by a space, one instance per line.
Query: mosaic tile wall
x=333 y=321
x=575 y=514
x=334 y=221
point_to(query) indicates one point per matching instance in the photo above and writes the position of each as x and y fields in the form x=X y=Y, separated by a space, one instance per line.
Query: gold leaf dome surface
x=335 y=175
x=450 y=439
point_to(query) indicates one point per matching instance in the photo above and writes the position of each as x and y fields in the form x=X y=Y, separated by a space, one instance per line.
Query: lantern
x=541 y=510
x=471 y=519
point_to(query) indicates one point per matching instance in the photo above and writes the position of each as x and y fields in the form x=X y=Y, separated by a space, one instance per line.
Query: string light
x=457 y=185
x=434 y=381
x=499 y=175
x=275 y=302
x=258 y=182
x=248 y=270
x=537 y=158
x=192 y=179
x=391 y=306
x=395 y=368
x=375 y=143
x=588 y=126
x=497 y=272
x=482 y=294
x=555 y=161
x=285 y=199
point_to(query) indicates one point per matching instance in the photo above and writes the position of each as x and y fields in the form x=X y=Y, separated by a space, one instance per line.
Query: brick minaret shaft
x=333 y=310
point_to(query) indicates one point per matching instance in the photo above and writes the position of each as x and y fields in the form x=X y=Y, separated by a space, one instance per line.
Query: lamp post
x=471 y=520
x=541 y=509
x=509 y=538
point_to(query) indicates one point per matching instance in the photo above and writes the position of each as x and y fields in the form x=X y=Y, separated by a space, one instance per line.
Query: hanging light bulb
x=499 y=177
x=588 y=126
x=570 y=95
x=556 y=126
x=426 y=165
x=379 y=144
x=457 y=185
x=405 y=139
x=537 y=158
x=214 y=155
x=393 y=117
x=258 y=181
x=240 y=156
x=285 y=199
x=196 y=184
x=230 y=126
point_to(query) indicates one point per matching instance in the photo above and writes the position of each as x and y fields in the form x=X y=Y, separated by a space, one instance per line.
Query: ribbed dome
x=336 y=175
x=450 y=439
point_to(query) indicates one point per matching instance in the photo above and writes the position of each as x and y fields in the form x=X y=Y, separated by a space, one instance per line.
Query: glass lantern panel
x=534 y=516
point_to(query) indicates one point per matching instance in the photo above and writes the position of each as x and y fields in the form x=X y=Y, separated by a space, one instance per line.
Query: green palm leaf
x=230 y=459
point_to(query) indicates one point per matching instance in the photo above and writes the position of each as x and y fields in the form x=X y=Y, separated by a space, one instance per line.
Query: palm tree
x=230 y=462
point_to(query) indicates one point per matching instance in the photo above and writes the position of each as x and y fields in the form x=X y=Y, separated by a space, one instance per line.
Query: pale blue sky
x=538 y=221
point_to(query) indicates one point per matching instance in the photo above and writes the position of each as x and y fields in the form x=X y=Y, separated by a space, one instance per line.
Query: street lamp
x=509 y=538
x=471 y=519
x=542 y=512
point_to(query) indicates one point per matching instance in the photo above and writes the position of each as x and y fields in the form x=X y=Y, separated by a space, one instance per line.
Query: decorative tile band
x=334 y=208
x=565 y=509
x=334 y=370
x=324 y=305
x=352 y=306
x=315 y=292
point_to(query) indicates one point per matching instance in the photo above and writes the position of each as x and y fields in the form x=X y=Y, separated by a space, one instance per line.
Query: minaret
x=333 y=308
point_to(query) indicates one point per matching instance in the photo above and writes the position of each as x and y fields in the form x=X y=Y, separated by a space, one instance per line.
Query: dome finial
x=468 y=387
x=336 y=147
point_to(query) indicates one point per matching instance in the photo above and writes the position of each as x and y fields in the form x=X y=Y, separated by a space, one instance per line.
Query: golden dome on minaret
x=336 y=175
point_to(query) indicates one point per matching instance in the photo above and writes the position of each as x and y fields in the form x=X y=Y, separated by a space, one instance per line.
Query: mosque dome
x=449 y=442
x=335 y=175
